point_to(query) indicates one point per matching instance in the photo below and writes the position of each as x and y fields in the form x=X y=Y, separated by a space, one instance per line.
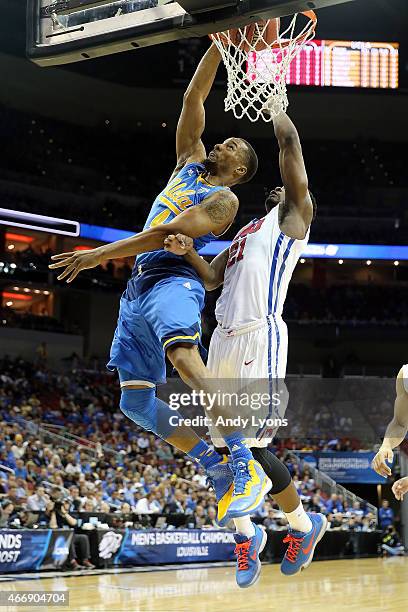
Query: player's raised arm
x=212 y=274
x=213 y=215
x=189 y=146
x=396 y=430
x=293 y=172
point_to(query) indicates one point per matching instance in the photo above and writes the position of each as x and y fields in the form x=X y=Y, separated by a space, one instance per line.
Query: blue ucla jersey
x=188 y=188
x=164 y=297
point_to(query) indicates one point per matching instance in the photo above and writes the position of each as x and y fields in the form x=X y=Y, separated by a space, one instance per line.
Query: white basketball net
x=257 y=79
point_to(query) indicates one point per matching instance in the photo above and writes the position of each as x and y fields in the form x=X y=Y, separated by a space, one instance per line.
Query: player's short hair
x=250 y=161
x=314 y=203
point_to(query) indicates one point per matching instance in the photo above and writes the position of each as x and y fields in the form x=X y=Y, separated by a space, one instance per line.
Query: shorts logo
x=249 y=362
x=188 y=285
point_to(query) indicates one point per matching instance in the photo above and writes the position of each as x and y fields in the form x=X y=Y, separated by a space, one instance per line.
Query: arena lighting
x=313 y=250
x=51 y=225
x=17 y=296
x=341 y=262
x=19 y=238
x=368 y=252
x=368 y=262
x=396 y=263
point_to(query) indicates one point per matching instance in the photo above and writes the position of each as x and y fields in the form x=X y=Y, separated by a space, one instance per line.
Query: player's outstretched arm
x=213 y=215
x=189 y=146
x=395 y=432
x=294 y=177
x=212 y=274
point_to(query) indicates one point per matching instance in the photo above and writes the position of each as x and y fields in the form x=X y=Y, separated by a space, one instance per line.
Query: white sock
x=298 y=519
x=245 y=526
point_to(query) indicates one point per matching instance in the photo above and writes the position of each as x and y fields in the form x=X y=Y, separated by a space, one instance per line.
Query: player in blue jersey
x=161 y=307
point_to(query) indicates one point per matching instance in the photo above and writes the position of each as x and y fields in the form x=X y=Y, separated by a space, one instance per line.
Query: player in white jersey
x=251 y=340
x=395 y=433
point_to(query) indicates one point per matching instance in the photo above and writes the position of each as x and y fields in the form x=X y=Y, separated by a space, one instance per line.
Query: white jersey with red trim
x=260 y=265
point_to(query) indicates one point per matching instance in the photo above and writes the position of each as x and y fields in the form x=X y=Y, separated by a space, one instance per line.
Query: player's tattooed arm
x=396 y=431
x=212 y=274
x=215 y=216
x=221 y=210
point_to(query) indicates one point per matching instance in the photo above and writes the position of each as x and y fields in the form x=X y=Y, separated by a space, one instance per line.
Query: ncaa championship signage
x=33 y=549
x=344 y=467
x=187 y=546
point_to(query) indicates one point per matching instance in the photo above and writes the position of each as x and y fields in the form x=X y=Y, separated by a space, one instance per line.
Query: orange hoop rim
x=284 y=43
x=298 y=40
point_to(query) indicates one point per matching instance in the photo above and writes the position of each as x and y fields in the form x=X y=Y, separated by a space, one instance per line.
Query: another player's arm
x=294 y=177
x=189 y=146
x=214 y=214
x=212 y=274
x=395 y=432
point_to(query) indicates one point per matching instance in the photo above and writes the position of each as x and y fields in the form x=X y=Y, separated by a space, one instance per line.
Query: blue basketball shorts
x=168 y=313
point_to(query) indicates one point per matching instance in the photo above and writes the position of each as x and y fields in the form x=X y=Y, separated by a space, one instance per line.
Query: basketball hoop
x=257 y=58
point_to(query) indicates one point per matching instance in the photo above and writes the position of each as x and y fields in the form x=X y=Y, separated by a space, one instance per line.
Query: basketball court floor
x=368 y=584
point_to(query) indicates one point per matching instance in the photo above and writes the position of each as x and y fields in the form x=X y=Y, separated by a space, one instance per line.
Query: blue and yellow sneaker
x=248 y=551
x=301 y=547
x=221 y=478
x=251 y=484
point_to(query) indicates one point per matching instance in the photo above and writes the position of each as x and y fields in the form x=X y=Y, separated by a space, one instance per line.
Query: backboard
x=65 y=31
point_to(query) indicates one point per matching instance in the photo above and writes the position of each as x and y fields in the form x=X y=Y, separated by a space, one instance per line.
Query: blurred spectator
x=391 y=543
x=56 y=516
x=211 y=522
x=334 y=504
x=385 y=515
x=6 y=512
x=38 y=501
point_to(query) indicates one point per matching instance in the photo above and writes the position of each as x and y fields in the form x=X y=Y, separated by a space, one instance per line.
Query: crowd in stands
x=47 y=479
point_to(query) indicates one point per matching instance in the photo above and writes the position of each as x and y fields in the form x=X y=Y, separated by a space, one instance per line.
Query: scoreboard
x=337 y=63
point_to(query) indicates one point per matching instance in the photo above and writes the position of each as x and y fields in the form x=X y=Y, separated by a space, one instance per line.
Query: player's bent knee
x=274 y=468
x=139 y=406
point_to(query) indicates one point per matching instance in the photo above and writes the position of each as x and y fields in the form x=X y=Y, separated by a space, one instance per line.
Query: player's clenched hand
x=179 y=244
x=379 y=464
x=400 y=487
x=74 y=262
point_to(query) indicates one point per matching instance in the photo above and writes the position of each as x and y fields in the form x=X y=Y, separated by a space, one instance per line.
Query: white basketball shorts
x=255 y=357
